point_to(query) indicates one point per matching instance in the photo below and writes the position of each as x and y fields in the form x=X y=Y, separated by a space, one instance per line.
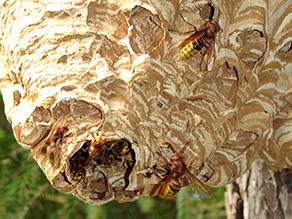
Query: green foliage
x=189 y=205
x=26 y=193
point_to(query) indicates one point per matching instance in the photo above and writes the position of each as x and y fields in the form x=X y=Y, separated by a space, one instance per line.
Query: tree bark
x=260 y=193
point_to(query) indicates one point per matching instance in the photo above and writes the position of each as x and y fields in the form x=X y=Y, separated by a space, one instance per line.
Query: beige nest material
x=98 y=93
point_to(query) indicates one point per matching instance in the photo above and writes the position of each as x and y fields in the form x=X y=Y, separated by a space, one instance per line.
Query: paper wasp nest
x=104 y=77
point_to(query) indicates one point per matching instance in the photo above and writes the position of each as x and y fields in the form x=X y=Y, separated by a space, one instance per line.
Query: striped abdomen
x=171 y=189
x=192 y=48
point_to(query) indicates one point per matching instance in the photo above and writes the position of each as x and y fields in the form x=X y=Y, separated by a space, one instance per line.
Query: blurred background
x=26 y=193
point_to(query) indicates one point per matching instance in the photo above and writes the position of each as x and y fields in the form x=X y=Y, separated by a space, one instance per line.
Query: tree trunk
x=260 y=193
x=97 y=91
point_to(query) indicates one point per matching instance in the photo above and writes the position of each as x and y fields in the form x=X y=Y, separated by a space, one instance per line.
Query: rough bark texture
x=260 y=193
x=112 y=67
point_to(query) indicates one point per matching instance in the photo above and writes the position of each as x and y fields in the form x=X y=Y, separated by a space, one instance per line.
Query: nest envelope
x=105 y=78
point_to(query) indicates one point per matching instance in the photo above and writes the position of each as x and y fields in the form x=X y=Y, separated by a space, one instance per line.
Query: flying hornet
x=52 y=143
